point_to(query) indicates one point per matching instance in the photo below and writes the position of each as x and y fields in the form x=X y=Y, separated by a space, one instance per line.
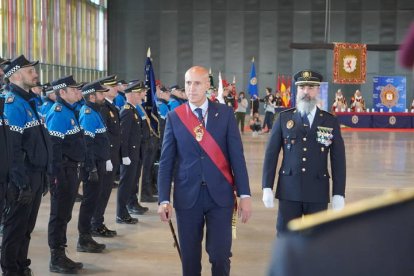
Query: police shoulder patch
x=58 y=108
x=10 y=99
x=87 y=110
x=127 y=106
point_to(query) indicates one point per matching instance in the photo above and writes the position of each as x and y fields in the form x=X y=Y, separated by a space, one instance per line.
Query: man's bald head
x=196 y=84
x=199 y=70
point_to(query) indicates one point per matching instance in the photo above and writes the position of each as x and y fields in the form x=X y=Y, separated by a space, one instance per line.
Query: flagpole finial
x=149 y=52
x=234 y=79
x=209 y=71
x=253 y=59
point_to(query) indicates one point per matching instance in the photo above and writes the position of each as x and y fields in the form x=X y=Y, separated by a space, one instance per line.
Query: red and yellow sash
x=205 y=140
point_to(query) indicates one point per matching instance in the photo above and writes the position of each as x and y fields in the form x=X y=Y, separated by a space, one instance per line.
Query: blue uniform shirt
x=120 y=100
x=46 y=106
x=163 y=108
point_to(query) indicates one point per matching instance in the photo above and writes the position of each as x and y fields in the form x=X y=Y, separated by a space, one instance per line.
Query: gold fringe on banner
x=349 y=63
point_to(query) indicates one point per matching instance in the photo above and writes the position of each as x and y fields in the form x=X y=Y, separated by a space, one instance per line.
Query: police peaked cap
x=135 y=87
x=47 y=88
x=4 y=61
x=16 y=64
x=108 y=80
x=307 y=77
x=67 y=81
x=93 y=87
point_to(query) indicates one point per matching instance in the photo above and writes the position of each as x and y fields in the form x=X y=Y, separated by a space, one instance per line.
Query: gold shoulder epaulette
x=127 y=106
x=387 y=199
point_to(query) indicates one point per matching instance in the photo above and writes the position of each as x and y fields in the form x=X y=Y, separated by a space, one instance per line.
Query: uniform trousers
x=19 y=222
x=127 y=183
x=91 y=194
x=289 y=210
x=62 y=198
x=149 y=156
x=107 y=185
x=191 y=223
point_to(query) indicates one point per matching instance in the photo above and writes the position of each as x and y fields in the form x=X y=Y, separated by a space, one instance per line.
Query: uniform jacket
x=30 y=139
x=304 y=175
x=66 y=135
x=96 y=137
x=131 y=132
x=193 y=166
x=5 y=144
x=110 y=116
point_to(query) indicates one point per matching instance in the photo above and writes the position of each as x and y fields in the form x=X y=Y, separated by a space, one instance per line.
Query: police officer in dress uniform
x=131 y=136
x=120 y=99
x=69 y=149
x=149 y=147
x=174 y=101
x=110 y=116
x=31 y=160
x=307 y=136
x=97 y=163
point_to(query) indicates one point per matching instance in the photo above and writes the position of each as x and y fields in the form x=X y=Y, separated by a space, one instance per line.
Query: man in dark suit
x=307 y=135
x=202 y=153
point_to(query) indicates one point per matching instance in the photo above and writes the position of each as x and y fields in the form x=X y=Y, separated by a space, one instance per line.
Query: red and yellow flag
x=349 y=63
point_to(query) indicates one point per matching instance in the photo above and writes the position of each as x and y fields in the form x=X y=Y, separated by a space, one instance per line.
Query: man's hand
x=268 y=198
x=245 y=209
x=126 y=161
x=165 y=211
x=25 y=196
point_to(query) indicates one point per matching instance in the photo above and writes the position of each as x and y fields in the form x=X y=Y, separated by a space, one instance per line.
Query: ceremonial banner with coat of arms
x=389 y=93
x=349 y=63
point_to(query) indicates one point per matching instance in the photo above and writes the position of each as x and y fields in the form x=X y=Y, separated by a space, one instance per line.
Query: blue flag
x=151 y=102
x=253 y=81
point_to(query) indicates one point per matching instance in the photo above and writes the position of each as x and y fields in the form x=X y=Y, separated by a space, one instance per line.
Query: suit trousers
x=289 y=210
x=107 y=185
x=91 y=194
x=62 y=198
x=218 y=235
x=19 y=222
x=128 y=181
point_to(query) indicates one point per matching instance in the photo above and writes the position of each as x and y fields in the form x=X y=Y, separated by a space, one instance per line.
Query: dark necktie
x=200 y=115
x=305 y=121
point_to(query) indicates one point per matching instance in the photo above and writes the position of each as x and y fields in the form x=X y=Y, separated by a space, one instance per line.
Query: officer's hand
x=108 y=166
x=338 y=202
x=245 y=209
x=93 y=175
x=25 y=196
x=165 y=211
x=268 y=198
x=126 y=161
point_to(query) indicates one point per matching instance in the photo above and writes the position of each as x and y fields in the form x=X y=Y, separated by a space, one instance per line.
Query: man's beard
x=306 y=104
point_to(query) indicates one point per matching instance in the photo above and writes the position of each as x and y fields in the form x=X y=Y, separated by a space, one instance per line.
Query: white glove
x=268 y=198
x=109 y=166
x=338 y=202
x=126 y=161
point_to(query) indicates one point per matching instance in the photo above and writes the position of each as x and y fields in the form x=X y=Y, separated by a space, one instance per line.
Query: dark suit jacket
x=194 y=165
x=304 y=174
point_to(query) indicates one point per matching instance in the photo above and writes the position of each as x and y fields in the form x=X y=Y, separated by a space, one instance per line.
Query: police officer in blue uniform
x=110 y=116
x=163 y=109
x=174 y=101
x=31 y=159
x=131 y=136
x=97 y=163
x=120 y=99
x=69 y=150
x=48 y=100
x=307 y=136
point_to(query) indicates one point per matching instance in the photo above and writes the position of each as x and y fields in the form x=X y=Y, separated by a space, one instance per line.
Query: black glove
x=25 y=196
x=93 y=175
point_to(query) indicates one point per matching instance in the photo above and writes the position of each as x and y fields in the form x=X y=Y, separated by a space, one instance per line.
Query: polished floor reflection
x=376 y=161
